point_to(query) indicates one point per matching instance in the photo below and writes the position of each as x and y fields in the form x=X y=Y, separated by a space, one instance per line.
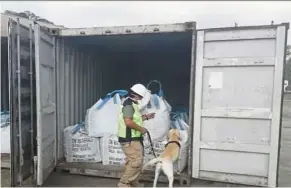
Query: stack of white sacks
x=79 y=147
x=101 y=125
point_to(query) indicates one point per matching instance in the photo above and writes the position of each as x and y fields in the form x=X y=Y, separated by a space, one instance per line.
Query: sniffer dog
x=167 y=158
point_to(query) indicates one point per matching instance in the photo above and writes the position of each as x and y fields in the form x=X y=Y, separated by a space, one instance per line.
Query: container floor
x=63 y=179
x=112 y=171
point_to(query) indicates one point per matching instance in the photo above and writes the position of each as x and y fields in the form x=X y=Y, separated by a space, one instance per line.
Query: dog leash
x=151 y=143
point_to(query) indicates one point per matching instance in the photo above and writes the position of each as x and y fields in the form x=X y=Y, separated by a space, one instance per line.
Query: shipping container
x=27 y=80
x=231 y=79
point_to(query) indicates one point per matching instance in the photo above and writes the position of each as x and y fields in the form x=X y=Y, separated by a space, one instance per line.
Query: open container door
x=45 y=97
x=21 y=101
x=238 y=102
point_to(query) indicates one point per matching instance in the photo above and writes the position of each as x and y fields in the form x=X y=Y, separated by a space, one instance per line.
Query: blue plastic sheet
x=160 y=92
x=5 y=118
x=177 y=116
x=155 y=101
x=121 y=93
x=77 y=128
x=156 y=96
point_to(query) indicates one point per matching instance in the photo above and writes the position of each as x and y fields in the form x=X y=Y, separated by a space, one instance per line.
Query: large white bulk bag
x=5 y=132
x=145 y=101
x=183 y=127
x=5 y=139
x=159 y=147
x=79 y=147
x=180 y=113
x=159 y=126
x=102 y=117
x=112 y=153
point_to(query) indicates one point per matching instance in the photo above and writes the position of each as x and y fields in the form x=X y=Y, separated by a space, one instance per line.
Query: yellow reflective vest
x=125 y=133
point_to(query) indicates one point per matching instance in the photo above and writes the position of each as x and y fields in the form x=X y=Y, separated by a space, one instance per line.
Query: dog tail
x=152 y=162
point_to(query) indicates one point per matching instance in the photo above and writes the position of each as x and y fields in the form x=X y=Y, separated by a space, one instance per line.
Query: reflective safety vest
x=125 y=133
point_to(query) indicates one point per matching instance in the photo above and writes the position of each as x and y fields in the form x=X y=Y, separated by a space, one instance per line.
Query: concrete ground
x=64 y=179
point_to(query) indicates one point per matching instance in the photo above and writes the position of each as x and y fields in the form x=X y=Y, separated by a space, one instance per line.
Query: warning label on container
x=215 y=80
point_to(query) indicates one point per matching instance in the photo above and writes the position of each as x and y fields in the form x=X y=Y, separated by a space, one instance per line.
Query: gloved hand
x=143 y=130
x=151 y=115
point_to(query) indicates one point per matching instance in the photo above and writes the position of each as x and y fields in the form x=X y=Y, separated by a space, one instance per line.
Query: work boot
x=123 y=185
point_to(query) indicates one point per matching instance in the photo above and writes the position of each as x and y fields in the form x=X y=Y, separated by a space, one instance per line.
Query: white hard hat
x=139 y=89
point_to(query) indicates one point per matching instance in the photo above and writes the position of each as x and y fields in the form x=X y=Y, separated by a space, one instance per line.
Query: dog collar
x=173 y=142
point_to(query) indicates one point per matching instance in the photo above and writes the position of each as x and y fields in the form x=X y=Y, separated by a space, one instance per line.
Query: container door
x=45 y=95
x=21 y=102
x=238 y=99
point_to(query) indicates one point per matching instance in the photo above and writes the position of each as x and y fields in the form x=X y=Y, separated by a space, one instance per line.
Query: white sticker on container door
x=215 y=80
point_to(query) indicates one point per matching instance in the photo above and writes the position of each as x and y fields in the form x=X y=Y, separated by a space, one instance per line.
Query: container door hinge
x=35 y=168
x=20 y=178
x=21 y=157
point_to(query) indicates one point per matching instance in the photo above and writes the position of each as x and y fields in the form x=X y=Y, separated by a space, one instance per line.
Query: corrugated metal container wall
x=78 y=85
x=285 y=144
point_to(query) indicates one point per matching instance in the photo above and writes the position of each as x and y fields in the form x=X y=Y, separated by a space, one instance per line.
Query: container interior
x=101 y=64
x=128 y=59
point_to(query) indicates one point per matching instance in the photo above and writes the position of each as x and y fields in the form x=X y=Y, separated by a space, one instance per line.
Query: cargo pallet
x=111 y=171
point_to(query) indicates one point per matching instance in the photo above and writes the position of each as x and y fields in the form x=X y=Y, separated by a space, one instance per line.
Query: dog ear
x=178 y=134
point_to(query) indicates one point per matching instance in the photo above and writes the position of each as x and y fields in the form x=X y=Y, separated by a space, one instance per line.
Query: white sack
x=112 y=153
x=159 y=126
x=185 y=117
x=183 y=128
x=5 y=139
x=5 y=132
x=159 y=147
x=79 y=147
x=105 y=120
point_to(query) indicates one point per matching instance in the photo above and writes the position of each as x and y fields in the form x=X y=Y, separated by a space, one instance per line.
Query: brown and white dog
x=167 y=158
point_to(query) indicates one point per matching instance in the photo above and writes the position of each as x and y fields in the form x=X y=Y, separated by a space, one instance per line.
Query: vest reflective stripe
x=137 y=119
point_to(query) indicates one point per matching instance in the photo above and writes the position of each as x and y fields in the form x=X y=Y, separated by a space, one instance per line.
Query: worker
x=130 y=135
